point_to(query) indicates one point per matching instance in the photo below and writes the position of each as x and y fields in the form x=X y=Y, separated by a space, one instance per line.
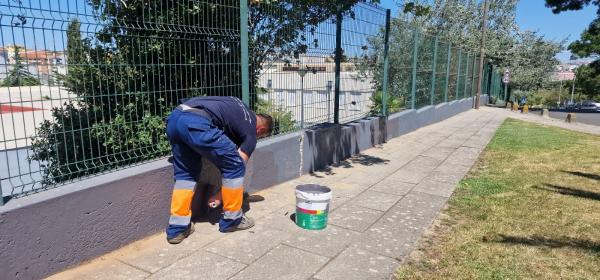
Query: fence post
x=484 y=80
x=466 y=75
x=458 y=73
x=244 y=51
x=473 y=76
x=386 y=63
x=338 y=63
x=448 y=71
x=1 y=196
x=413 y=89
x=433 y=70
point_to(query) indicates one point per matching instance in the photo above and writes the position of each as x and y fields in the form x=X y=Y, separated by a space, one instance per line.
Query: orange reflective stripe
x=181 y=202
x=232 y=198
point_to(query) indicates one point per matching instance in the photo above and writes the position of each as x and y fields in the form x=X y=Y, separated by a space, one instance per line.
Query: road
x=587 y=118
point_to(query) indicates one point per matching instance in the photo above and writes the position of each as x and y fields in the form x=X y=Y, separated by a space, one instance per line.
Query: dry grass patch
x=529 y=209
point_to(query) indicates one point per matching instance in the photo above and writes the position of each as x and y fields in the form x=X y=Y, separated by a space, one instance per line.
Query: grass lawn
x=530 y=208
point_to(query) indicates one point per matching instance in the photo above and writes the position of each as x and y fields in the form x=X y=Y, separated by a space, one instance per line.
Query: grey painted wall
x=47 y=232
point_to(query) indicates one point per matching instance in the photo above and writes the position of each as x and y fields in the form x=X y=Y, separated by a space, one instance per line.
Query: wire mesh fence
x=85 y=85
x=292 y=62
x=363 y=27
x=92 y=81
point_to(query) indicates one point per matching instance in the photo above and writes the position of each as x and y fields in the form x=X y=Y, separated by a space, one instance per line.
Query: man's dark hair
x=268 y=121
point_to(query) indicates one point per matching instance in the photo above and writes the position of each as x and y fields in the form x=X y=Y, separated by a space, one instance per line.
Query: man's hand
x=243 y=155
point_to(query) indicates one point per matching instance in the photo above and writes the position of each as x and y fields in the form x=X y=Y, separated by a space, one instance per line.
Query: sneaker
x=183 y=235
x=245 y=223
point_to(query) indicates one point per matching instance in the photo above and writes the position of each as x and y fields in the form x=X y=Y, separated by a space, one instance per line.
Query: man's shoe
x=183 y=235
x=245 y=223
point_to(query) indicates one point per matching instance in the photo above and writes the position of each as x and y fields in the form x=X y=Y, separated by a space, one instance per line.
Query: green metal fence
x=85 y=85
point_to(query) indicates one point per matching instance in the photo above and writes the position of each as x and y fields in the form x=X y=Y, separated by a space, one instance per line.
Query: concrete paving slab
x=464 y=156
x=327 y=242
x=274 y=198
x=455 y=141
x=395 y=234
x=283 y=262
x=433 y=187
x=201 y=265
x=409 y=176
x=347 y=189
x=392 y=186
x=409 y=179
x=337 y=201
x=102 y=269
x=366 y=179
x=247 y=246
x=358 y=264
x=446 y=175
x=375 y=200
x=155 y=253
x=354 y=217
x=439 y=152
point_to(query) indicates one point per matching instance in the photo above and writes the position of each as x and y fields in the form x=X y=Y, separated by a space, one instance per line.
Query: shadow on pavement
x=359 y=159
x=569 y=191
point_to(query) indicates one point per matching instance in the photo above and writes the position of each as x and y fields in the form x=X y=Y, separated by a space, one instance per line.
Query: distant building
x=318 y=63
x=41 y=64
x=563 y=76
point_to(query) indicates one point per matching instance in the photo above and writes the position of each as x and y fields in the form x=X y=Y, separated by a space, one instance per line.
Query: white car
x=590 y=106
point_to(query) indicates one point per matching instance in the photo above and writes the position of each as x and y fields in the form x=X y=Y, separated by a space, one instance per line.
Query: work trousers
x=193 y=137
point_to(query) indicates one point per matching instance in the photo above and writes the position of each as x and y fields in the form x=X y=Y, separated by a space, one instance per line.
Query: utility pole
x=573 y=89
x=486 y=6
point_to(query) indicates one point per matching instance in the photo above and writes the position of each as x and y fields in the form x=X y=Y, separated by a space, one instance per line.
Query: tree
x=145 y=57
x=588 y=76
x=588 y=81
x=589 y=43
x=559 y=6
x=533 y=60
x=19 y=76
x=528 y=55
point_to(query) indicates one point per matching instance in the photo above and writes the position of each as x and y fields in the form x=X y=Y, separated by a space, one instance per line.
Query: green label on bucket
x=311 y=219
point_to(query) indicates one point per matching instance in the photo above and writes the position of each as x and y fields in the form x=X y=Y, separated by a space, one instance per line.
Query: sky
x=533 y=15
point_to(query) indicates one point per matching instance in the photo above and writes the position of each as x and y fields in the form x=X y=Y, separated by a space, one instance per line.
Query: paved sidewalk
x=383 y=201
x=535 y=117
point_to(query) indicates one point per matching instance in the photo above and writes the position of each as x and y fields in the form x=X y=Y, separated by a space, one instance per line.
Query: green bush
x=394 y=103
x=283 y=120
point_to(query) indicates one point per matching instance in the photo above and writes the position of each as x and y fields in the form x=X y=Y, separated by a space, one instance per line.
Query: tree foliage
x=144 y=56
x=587 y=80
x=528 y=55
x=589 y=43
x=569 y=5
x=587 y=83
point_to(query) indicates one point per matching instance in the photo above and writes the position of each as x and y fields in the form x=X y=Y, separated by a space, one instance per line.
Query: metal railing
x=85 y=85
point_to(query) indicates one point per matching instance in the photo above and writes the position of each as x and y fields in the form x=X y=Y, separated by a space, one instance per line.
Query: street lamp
x=302 y=72
x=482 y=52
x=573 y=88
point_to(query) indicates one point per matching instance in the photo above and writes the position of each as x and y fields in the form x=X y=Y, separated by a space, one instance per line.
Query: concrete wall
x=49 y=231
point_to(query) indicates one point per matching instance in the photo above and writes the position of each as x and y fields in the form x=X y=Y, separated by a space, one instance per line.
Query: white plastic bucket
x=312 y=206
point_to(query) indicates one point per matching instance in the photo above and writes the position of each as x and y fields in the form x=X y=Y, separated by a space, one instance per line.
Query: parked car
x=571 y=106
x=590 y=106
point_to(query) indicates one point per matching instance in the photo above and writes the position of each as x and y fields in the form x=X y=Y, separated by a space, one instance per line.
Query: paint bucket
x=312 y=206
